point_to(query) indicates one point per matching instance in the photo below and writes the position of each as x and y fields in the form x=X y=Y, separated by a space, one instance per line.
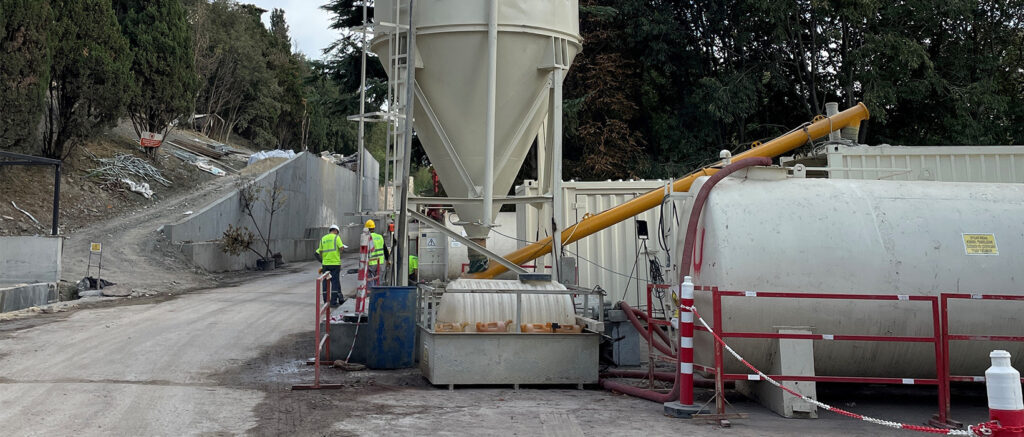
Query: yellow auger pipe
x=593 y=224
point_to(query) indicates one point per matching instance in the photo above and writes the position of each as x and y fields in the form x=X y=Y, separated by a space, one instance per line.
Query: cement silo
x=488 y=76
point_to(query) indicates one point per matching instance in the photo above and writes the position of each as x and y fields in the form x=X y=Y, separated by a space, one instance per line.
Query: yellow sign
x=980 y=244
x=95 y=247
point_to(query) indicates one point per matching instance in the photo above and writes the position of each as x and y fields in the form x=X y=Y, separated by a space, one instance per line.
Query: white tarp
x=259 y=156
x=142 y=188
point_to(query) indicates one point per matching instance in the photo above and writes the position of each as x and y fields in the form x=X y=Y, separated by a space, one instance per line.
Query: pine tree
x=89 y=75
x=163 y=67
x=24 y=70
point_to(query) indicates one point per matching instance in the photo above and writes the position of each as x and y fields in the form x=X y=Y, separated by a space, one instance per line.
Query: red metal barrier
x=936 y=339
x=322 y=342
x=363 y=272
x=944 y=407
x=652 y=355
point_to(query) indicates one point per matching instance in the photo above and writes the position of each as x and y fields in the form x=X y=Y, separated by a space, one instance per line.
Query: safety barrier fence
x=718 y=325
x=363 y=276
x=651 y=323
x=944 y=406
x=321 y=336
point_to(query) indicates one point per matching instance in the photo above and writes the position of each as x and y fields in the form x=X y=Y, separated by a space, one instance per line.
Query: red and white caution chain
x=981 y=430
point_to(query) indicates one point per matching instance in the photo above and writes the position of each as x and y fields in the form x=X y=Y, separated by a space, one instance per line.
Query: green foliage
x=163 y=69
x=24 y=70
x=708 y=75
x=89 y=74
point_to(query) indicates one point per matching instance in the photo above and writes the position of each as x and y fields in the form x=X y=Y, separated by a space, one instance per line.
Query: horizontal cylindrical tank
x=480 y=306
x=762 y=231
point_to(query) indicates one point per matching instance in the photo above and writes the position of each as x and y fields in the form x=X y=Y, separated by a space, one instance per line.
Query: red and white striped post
x=363 y=262
x=686 y=342
x=1005 y=403
x=685 y=407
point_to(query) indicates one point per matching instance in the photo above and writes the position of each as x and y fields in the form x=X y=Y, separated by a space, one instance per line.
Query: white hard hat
x=335 y=228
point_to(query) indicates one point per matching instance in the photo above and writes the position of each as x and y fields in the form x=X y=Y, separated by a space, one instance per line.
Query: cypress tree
x=88 y=76
x=163 y=67
x=24 y=69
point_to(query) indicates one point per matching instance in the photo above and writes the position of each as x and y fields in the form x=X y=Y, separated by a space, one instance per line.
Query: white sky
x=307 y=23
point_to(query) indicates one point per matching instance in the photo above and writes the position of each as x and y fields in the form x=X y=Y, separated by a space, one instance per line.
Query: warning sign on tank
x=980 y=244
x=431 y=242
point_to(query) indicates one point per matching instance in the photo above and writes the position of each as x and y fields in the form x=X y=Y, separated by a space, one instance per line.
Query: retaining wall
x=26 y=260
x=26 y=296
x=318 y=194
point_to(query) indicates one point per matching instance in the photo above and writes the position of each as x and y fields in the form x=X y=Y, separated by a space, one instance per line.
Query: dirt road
x=221 y=362
x=135 y=255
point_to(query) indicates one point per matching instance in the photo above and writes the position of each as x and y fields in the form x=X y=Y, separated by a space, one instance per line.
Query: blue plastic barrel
x=392 y=328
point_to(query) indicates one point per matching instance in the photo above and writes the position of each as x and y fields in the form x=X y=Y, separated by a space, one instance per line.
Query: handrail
x=593 y=224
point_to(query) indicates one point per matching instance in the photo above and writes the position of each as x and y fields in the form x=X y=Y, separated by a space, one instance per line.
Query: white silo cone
x=452 y=86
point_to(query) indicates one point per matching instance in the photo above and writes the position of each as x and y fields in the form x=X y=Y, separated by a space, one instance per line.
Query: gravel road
x=222 y=361
x=148 y=369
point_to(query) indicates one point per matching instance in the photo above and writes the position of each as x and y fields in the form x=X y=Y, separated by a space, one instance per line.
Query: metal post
x=327 y=322
x=362 y=120
x=650 y=337
x=941 y=373
x=363 y=271
x=316 y=329
x=56 y=197
x=719 y=327
x=492 y=91
x=519 y=312
x=557 y=213
x=401 y=259
x=686 y=342
x=944 y=409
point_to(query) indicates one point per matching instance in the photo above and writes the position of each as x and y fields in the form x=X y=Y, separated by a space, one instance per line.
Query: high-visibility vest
x=414 y=263
x=330 y=250
x=377 y=256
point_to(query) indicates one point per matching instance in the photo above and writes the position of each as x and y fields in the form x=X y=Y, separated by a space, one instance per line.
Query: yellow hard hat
x=370 y=224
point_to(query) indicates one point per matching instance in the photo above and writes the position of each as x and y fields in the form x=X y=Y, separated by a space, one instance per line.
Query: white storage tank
x=762 y=231
x=452 y=64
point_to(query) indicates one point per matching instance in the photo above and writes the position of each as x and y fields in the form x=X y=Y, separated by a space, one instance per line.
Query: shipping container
x=928 y=163
x=616 y=259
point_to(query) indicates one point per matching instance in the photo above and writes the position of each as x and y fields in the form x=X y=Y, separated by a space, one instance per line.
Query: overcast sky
x=307 y=23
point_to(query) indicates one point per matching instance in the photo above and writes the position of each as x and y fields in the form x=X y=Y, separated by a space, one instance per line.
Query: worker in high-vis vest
x=378 y=253
x=329 y=254
x=414 y=265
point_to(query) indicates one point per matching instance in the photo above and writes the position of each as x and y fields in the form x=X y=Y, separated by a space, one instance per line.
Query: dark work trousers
x=336 y=297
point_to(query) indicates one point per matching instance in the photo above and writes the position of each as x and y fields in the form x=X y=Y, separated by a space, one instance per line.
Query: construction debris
x=185 y=156
x=123 y=166
x=259 y=156
x=202 y=163
x=205 y=166
x=142 y=188
x=90 y=286
x=209 y=149
x=24 y=212
x=350 y=162
x=346 y=366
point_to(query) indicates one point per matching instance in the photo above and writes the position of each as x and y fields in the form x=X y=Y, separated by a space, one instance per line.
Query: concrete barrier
x=319 y=194
x=211 y=257
x=30 y=259
x=26 y=296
